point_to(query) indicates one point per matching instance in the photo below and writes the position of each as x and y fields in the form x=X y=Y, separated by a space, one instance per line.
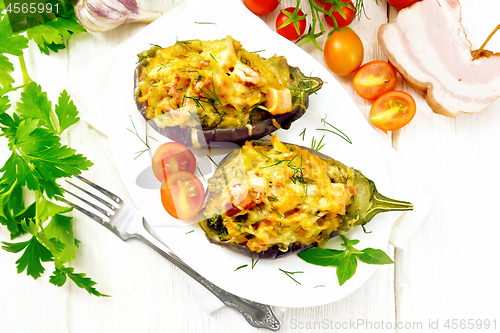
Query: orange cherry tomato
x=393 y=110
x=182 y=195
x=343 y=52
x=172 y=157
x=375 y=78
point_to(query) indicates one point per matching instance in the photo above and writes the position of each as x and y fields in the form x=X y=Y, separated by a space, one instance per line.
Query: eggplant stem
x=381 y=203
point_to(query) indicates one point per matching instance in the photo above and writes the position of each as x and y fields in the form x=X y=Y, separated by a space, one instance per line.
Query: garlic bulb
x=104 y=15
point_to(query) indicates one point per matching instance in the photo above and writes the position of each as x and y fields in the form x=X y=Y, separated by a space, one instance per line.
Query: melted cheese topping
x=296 y=199
x=222 y=80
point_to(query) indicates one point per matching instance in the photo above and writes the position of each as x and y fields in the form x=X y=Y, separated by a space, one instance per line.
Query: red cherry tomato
x=374 y=78
x=182 y=195
x=172 y=157
x=400 y=4
x=261 y=7
x=393 y=110
x=343 y=52
x=348 y=11
x=290 y=31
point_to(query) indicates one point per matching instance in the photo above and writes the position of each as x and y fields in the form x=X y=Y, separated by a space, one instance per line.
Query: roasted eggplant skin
x=219 y=137
x=365 y=205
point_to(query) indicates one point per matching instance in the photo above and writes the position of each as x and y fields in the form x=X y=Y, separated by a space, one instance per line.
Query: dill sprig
x=254 y=262
x=258 y=151
x=242 y=266
x=338 y=132
x=289 y=274
x=277 y=213
x=201 y=173
x=144 y=141
x=303 y=86
x=150 y=53
x=183 y=43
x=315 y=145
x=213 y=58
x=303 y=134
x=212 y=161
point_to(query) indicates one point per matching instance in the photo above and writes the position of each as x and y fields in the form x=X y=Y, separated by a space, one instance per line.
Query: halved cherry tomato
x=172 y=157
x=261 y=7
x=375 y=78
x=343 y=52
x=400 y=4
x=182 y=195
x=392 y=110
x=290 y=31
x=348 y=11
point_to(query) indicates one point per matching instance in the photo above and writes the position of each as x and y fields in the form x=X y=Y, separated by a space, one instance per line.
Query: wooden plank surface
x=447 y=270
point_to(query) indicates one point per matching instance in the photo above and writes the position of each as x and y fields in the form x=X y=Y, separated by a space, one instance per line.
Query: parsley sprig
x=38 y=158
x=345 y=260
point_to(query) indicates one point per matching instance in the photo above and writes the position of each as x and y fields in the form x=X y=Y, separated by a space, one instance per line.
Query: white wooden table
x=447 y=271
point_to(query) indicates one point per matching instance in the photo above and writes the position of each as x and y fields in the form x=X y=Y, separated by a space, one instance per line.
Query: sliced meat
x=427 y=44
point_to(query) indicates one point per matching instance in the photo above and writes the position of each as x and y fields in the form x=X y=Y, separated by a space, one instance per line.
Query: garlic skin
x=105 y=15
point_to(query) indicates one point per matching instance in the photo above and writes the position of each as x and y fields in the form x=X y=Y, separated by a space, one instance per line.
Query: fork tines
x=107 y=213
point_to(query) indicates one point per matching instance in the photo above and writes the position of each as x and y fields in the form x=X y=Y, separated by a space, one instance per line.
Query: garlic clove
x=104 y=15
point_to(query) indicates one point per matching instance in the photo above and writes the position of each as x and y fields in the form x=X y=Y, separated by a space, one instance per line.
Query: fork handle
x=256 y=314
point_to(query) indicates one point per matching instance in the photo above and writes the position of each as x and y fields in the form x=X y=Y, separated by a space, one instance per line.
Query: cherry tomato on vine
x=182 y=195
x=348 y=11
x=392 y=110
x=400 y=4
x=291 y=31
x=374 y=78
x=172 y=157
x=343 y=52
x=261 y=7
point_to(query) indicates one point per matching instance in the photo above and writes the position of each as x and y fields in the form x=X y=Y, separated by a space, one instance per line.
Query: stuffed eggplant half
x=204 y=93
x=271 y=199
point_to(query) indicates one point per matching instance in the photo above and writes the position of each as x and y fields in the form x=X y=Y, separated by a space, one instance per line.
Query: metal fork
x=127 y=222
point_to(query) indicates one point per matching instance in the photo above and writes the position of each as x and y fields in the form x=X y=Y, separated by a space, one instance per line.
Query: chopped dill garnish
x=303 y=134
x=150 y=53
x=315 y=145
x=212 y=161
x=201 y=173
x=213 y=58
x=144 y=141
x=258 y=151
x=274 y=164
x=338 y=132
x=189 y=232
x=277 y=213
x=183 y=43
x=289 y=274
x=242 y=266
x=159 y=69
x=254 y=262
x=321 y=285
x=257 y=51
x=271 y=199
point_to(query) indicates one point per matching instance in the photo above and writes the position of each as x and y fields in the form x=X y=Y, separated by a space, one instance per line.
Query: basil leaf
x=374 y=257
x=347 y=268
x=322 y=257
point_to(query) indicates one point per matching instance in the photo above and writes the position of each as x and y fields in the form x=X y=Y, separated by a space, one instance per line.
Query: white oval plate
x=265 y=283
